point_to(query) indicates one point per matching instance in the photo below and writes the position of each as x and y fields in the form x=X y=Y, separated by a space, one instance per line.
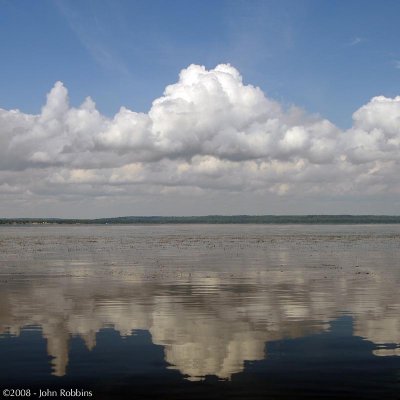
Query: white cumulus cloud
x=209 y=132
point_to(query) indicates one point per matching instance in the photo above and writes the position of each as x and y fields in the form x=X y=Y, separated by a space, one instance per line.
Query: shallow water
x=195 y=311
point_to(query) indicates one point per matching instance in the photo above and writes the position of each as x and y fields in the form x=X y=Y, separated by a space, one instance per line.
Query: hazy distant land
x=217 y=219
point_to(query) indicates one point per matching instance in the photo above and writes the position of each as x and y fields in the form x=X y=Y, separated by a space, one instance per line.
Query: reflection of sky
x=212 y=304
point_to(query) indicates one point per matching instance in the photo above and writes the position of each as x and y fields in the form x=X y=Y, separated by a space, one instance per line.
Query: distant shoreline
x=214 y=219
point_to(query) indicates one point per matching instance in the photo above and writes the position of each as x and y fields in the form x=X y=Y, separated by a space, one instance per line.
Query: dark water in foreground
x=193 y=312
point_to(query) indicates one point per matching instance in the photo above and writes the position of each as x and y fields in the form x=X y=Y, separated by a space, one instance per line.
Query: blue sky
x=328 y=57
x=201 y=107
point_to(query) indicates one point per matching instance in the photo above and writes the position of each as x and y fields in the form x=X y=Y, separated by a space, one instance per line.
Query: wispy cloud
x=355 y=41
x=89 y=35
x=397 y=64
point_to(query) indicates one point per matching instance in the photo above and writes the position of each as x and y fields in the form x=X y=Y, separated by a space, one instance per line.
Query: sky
x=111 y=108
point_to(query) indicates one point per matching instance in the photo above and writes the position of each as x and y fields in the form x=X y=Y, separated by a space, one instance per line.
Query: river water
x=201 y=311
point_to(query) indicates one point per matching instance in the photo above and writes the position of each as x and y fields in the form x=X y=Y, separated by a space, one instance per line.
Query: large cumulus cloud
x=209 y=131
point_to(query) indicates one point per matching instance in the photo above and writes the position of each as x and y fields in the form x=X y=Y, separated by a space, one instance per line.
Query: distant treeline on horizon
x=217 y=219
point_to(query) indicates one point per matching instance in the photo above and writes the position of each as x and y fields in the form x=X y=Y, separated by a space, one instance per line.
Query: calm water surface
x=202 y=311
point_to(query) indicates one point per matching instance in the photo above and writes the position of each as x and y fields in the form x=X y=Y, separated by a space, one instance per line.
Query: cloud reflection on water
x=213 y=300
